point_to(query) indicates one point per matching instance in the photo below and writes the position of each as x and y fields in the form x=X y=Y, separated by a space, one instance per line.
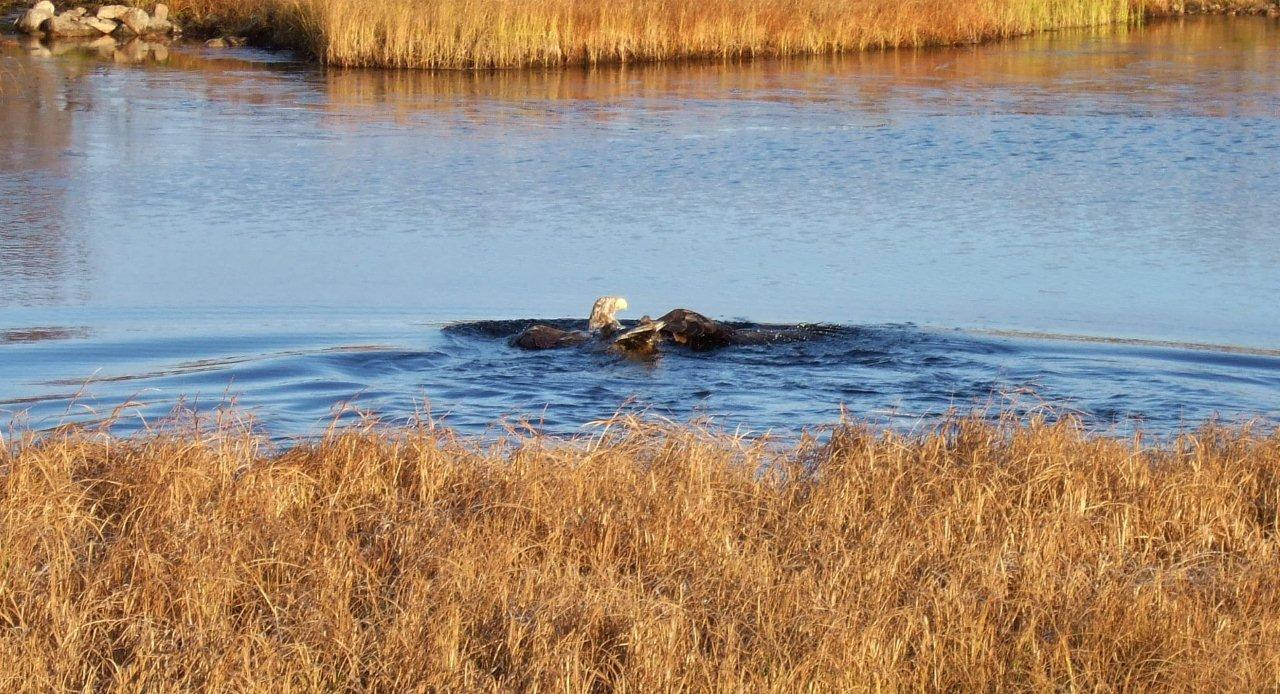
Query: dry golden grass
x=500 y=33
x=976 y=558
x=514 y=33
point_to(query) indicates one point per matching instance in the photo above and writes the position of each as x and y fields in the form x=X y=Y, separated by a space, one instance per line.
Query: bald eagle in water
x=603 y=324
x=681 y=326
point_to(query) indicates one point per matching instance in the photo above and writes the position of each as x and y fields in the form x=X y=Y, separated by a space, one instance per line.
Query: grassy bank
x=976 y=558
x=513 y=33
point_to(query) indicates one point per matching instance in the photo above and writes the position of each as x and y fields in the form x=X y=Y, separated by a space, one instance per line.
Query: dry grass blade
x=516 y=33
x=648 y=557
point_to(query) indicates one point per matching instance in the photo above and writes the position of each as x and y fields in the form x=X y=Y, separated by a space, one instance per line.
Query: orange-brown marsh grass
x=514 y=33
x=974 y=558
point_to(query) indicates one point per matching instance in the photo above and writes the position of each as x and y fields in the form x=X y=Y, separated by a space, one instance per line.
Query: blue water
x=239 y=228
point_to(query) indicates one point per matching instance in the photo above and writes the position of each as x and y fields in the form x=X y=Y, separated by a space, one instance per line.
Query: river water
x=235 y=227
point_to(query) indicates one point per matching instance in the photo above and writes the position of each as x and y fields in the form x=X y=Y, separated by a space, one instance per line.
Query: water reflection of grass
x=1166 y=55
x=980 y=557
x=505 y=33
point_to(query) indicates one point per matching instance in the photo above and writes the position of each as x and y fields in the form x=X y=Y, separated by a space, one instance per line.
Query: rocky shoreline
x=44 y=21
x=116 y=32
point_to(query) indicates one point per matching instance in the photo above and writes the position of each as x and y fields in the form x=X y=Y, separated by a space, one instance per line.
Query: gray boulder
x=30 y=21
x=112 y=11
x=160 y=22
x=69 y=25
x=227 y=42
x=134 y=22
x=105 y=26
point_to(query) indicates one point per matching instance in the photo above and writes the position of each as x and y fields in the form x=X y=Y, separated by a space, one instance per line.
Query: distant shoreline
x=453 y=34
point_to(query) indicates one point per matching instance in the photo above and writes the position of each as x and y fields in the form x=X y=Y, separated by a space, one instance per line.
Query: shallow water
x=235 y=225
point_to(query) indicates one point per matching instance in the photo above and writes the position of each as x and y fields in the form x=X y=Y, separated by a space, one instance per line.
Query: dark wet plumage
x=602 y=325
x=695 y=331
x=642 y=339
x=547 y=337
x=680 y=327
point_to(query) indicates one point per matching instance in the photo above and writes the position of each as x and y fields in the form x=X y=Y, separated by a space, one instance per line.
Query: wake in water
x=468 y=374
x=897 y=375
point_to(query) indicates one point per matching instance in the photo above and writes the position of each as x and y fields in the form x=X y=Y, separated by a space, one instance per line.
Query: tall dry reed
x=979 y=557
x=514 y=33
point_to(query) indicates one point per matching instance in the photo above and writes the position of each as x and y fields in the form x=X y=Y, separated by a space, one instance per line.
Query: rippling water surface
x=239 y=227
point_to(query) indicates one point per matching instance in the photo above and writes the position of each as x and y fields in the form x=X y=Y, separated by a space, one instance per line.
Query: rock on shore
x=31 y=20
x=43 y=19
x=226 y=42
